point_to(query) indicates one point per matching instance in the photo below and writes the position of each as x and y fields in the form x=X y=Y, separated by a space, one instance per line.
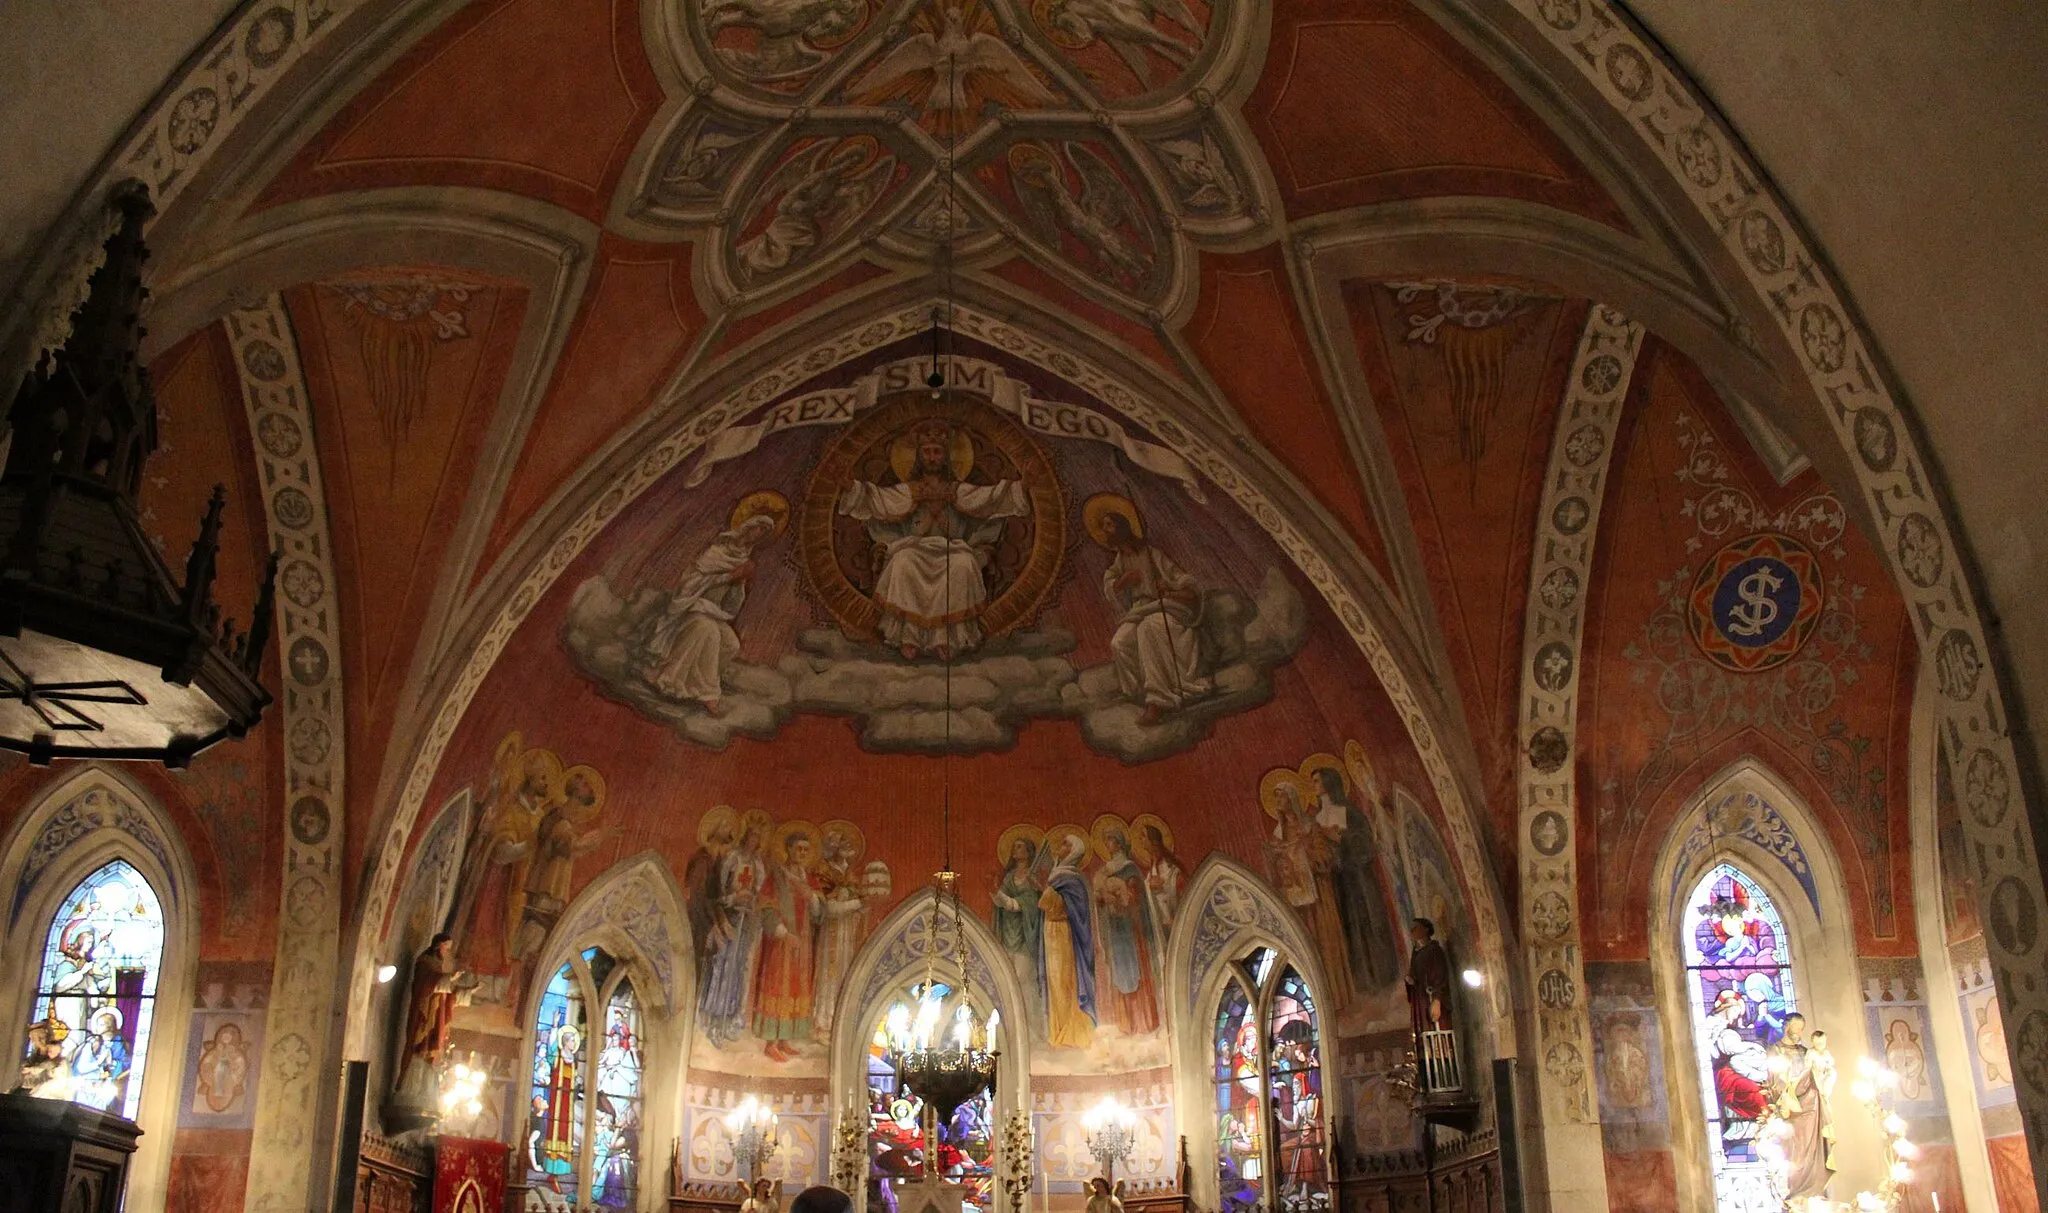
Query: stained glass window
x=615 y=1154
x=1240 y=1153
x=1296 y=1075
x=896 y=1140
x=585 y=1118
x=1271 y=1126
x=89 y=1033
x=1738 y=968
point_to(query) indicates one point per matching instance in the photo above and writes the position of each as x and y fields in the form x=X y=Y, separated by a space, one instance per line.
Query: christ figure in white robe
x=937 y=533
x=1156 y=651
x=692 y=642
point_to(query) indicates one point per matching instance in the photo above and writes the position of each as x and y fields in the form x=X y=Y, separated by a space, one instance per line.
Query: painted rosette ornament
x=1755 y=602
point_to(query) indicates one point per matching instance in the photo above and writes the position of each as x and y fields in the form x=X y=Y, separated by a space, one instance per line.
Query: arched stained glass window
x=1296 y=1072
x=1271 y=1125
x=896 y=1138
x=1240 y=1152
x=584 y=1121
x=89 y=1033
x=1738 y=967
x=615 y=1157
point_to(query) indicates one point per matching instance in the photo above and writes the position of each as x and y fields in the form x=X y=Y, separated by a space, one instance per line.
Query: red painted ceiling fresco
x=1250 y=337
x=405 y=369
x=1665 y=706
x=482 y=102
x=578 y=681
x=636 y=323
x=1420 y=116
x=1468 y=415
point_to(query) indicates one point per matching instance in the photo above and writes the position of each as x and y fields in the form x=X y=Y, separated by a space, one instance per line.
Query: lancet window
x=1739 y=986
x=583 y=1141
x=88 y=1033
x=1270 y=1120
x=897 y=1141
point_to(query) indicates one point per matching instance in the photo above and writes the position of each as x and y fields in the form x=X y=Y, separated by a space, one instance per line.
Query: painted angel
x=837 y=180
x=1096 y=218
x=952 y=68
x=1129 y=29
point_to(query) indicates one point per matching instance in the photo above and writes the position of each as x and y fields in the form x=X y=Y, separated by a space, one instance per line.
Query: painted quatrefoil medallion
x=1087 y=133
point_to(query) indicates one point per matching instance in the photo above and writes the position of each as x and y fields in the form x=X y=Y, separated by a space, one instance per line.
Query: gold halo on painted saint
x=759 y=822
x=790 y=831
x=1106 y=825
x=587 y=812
x=1362 y=772
x=718 y=821
x=766 y=503
x=1056 y=840
x=1269 y=789
x=1022 y=830
x=959 y=452
x=1319 y=762
x=1141 y=841
x=841 y=828
x=1095 y=514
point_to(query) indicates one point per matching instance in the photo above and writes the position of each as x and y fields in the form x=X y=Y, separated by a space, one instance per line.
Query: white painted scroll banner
x=839 y=406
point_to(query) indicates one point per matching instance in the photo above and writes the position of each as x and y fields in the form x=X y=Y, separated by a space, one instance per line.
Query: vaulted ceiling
x=1398 y=272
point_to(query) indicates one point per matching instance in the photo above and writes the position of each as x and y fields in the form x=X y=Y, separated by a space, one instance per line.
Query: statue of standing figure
x=1801 y=1092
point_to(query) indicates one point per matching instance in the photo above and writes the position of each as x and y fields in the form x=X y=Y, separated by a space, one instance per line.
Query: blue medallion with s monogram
x=1755 y=602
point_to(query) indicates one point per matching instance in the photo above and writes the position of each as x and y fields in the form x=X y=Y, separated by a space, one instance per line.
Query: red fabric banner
x=469 y=1175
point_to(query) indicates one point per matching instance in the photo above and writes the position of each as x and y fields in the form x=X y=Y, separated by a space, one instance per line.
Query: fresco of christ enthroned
x=927 y=522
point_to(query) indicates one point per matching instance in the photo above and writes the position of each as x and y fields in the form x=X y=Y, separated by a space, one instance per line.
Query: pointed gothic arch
x=632 y=913
x=79 y=825
x=1227 y=910
x=1748 y=817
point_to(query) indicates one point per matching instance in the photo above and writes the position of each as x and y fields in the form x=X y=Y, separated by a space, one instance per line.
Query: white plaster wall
x=73 y=75
x=1911 y=136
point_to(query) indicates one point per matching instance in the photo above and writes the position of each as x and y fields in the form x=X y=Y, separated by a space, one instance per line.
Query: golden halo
x=767 y=502
x=1269 y=789
x=717 y=819
x=510 y=748
x=1023 y=152
x=1104 y=825
x=845 y=829
x=959 y=453
x=757 y=820
x=582 y=814
x=788 y=832
x=1362 y=773
x=551 y=768
x=1319 y=762
x=1024 y=830
x=1138 y=825
x=1096 y=511
x=1055 y=843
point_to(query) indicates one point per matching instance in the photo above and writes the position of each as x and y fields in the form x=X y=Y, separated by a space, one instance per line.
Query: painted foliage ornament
x=1755 y=603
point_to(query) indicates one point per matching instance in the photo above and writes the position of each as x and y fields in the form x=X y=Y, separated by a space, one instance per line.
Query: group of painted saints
x=777 y=913
x=1085 y=917
x=535 y=819
x=1329 y=864
x=934 y=535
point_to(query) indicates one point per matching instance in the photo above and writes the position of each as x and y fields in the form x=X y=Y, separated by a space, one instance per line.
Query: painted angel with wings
x=1128 y=26
x=822 y=190
x=1101 y=218
x=955 y=62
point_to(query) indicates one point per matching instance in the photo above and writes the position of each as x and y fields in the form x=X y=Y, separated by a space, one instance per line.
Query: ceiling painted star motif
x=1086 y=133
